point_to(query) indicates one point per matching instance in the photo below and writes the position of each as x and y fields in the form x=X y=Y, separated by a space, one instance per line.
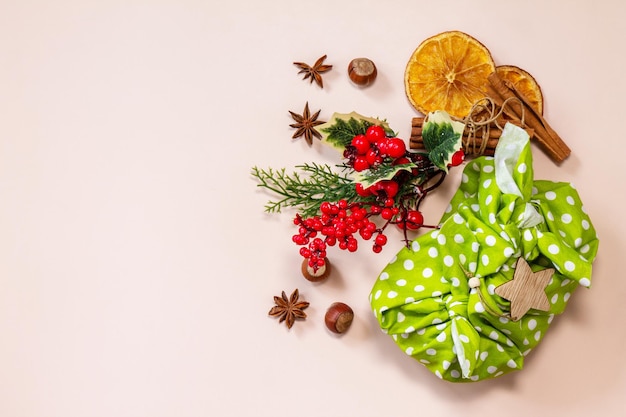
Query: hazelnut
x=362 y=71
x=338 y=317
x=316 y=275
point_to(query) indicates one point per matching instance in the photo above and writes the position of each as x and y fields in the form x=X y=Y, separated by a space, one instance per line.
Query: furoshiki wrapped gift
x=444 y=298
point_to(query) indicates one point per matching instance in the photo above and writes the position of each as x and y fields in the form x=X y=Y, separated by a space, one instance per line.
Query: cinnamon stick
x=499 y=91
x=417 y=142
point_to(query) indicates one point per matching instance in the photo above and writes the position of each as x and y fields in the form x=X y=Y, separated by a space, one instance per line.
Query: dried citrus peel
x=524 y=83
x=448 y=72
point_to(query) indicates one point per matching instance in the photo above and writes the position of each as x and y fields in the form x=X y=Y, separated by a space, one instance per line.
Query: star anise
x=289 y=309
x=305 y=124
x=314 y=72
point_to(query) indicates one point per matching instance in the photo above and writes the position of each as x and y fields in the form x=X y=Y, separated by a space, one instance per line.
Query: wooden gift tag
x=526 y=290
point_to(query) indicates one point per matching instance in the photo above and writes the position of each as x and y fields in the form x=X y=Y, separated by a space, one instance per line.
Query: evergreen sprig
x=306 y=189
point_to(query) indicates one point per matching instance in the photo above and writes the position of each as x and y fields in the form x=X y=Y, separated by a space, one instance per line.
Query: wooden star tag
x=526 y=290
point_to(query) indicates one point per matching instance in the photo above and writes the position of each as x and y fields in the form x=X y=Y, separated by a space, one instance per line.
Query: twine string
x=488 y=308
x=483 y=300
x=478 y=123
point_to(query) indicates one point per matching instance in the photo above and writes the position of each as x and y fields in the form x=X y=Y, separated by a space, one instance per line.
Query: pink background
x=137 y=265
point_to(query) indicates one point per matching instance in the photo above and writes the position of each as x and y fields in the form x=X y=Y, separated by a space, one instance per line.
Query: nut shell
x=316 y=276
x=362 y=71
x=339 y=317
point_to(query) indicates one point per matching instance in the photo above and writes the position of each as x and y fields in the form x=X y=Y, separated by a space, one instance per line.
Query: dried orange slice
x=448 y=72
x=523 y=82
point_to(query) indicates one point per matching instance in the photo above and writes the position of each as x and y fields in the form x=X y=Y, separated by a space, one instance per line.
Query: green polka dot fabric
x=423 y=299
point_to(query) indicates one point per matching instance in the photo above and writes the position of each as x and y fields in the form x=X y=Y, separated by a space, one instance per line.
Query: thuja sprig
x=306 y=189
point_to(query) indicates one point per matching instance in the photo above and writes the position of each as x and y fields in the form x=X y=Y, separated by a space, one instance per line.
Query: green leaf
x=342 y=127
x=370 y=177
x=442 y=138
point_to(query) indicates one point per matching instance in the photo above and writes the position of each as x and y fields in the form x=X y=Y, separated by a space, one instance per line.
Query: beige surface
x=137 y=265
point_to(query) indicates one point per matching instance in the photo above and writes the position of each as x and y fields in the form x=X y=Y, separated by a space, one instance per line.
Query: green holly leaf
x=369 y=177
x=442 y=138
x=342 y=127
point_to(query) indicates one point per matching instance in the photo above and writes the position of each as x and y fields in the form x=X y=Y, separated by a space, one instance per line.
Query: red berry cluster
x=395 y=200
x=337 y=225
x=369 y=150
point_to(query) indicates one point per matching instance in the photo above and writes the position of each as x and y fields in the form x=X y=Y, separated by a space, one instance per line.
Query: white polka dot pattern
x=424 y=301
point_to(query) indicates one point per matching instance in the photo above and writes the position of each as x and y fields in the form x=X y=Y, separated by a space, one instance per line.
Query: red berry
x=362 y=191
x=365 y=234
x=360 y=164
x=317 y=224
x=361 y=144
x=381 y=240
x=358 y=214
x=401 y=160
x=411 y=220
x=457 y=158
x=375 y=133
x=382 y=146
x=414 y=220
x=396 y=147
x=386 y=214
x=377 y=248
x=376 y=188
x=389 y=187
x=385 y=188
x=372 y=157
